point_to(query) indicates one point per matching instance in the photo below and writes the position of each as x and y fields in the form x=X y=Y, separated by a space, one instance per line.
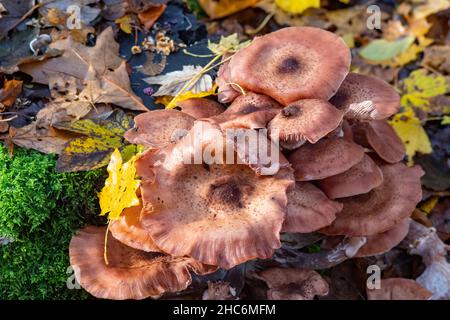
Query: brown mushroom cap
x=399 y=289
x=293 y=284
x=383 y=242
x=200 y=107
x=130 y=273
x=158 y=128
x=380 y=209
x=366 y=98
x=308 y=209
x=220 y=213
x=308 y=119
x=292 y=63
x=251 y=110
x=361 y=178
x=326 y=158
x=128 y=230
x=382 y=138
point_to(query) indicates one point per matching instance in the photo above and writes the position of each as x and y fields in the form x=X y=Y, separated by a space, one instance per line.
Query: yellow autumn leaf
x=171 y=103
x=295 y=6
x=429 y=204
x=420 y=87
x=125 y=23
x=120 y=187
x=411 y=132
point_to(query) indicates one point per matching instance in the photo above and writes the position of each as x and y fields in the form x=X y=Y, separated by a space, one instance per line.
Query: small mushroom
x=128 y=230
x=361 y=178
x=292 y=63
x=379 y=210
x=385 y=241
x=382 y=138
x=293 y=284
x=251 y=111
x=366 y=98
x=398 y=289
x=220 y=214
x=158 y=128
x=200 y=107
x=305 y=120
x=308 y=209
x=130 y=273
x=326 y=158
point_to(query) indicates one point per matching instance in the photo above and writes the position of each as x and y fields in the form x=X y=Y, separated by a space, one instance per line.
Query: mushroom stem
x=323 y=259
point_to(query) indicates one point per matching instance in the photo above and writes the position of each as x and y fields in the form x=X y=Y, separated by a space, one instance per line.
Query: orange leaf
x=149 y=16
x=10 y=91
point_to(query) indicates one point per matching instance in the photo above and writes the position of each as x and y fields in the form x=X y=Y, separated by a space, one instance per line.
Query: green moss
x=40 y=210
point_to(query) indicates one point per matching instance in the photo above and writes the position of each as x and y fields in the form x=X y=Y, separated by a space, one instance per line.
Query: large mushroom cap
x=399 y=289
x=293 y=284
x=382 y=138
x=128 y=230
x=380 y=209
x=158 y=128
x=385 y=241
x=326 y=158
x=361 y=178
x=130 y=273
x=200 y=107
x=308 y=209
x=366 y=97
x=292 y=63
x=308 y=119
x=222 y=214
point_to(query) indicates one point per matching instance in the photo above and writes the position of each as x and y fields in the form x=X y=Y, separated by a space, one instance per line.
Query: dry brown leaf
x=9 y=92
x=151 y=67
x=223 y=8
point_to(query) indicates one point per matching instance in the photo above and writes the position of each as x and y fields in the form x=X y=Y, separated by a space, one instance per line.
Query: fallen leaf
x=169 y=101
x=120 y=187
x=422 y=11
x=228 y=44
x=87 y=11
x=99 y=139
x=222 y=8
x=9 y=92
x=100 y=67
x=438 y=58
x=295 y=6
x=420 y=87
x=381 y=49
x=151 y=14
x=125 y=23
x=411 y=132
x=445 y=120
x=15 y=10
x=172 y=82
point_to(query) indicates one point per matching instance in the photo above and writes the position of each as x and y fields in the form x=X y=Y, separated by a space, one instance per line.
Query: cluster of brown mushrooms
x=339 y=174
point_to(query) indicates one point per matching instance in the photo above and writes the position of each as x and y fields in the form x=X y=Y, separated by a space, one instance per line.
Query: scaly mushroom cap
x=399 y=289
x=292 y=64
x=251 y=111
x=158 y=128
x=366 y=98
x=293 y=284
x=380 y=209
x=128 y=230
x=361 y=178
x=308 y=209
x=326 y=158
x=130 y=273
x=200 y=107
x=220 y=214
x=308 y=119
x=383 y=242
x=382 y=138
